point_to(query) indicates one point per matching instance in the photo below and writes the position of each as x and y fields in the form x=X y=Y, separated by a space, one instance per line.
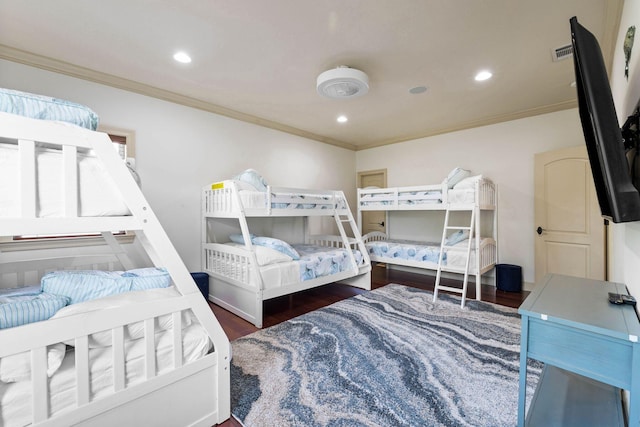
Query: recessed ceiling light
x=483 y=75
x=182 y=57
x=342 y=119
x=418 y=89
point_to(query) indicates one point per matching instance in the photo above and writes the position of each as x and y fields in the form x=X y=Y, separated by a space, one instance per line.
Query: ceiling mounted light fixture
x=342 y=82
x=182 y=57
x=483 y=75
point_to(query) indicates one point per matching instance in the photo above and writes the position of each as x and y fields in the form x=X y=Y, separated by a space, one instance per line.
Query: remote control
x=621 y=299
x=628 y=299
x=615 y=298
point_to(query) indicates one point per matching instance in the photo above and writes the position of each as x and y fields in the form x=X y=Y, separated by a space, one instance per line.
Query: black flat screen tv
x=618 y=198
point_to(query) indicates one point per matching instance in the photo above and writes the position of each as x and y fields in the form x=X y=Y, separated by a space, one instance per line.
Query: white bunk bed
x=144 y=357
x=246 y=273
x=464 y=250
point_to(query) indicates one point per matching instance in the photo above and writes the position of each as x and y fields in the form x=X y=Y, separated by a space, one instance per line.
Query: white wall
x=625 y=238
x=503 y=152
x=181 y=149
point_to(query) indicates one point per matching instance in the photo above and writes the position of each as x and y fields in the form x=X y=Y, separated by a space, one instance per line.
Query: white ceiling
x=258 y=60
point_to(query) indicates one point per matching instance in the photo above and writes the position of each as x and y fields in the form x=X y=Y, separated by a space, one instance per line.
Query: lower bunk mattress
x=314 y=262
x=426 y=254
x=16 y=391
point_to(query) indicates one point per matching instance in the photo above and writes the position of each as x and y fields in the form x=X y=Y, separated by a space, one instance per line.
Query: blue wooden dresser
x=590 y=349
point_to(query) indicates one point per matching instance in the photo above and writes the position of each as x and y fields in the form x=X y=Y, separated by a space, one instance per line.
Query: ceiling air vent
x=562 y=52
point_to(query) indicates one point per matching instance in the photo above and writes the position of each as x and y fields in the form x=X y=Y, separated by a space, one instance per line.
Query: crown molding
x=61 y=67
x=567 y=105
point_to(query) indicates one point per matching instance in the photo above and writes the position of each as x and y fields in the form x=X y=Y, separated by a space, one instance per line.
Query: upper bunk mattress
x=252 y=199
x=98 y=194
x=403 y=198
x=47 y=108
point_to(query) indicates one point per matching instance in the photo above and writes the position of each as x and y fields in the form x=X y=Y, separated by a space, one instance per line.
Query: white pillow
x=17 y=367
x=277 y=244
x=266 y=256
x=251 y=176
x=468 y=183
x=133 y=331
x=241 y=185
x=457 y=175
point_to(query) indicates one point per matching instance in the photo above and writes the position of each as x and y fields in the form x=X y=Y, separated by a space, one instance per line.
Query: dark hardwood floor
x=283 y=308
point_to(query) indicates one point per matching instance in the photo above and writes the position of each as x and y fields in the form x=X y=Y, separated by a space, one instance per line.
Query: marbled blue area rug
x=389 y=357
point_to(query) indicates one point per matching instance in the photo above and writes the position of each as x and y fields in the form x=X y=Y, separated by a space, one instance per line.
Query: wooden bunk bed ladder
x=443 y=246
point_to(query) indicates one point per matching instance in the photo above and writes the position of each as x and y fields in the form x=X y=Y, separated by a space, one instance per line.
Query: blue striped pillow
x=23 y=309
x=47 y=108
x=80 y=285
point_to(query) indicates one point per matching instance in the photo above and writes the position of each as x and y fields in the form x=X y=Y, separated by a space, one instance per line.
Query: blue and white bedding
x=305 y=201
x=427 y=253
x=20 y=306
x=278 y=269
x=253 y=193
x=318 y=261
x=404 y=198
x=406 y=250
x=47 y=108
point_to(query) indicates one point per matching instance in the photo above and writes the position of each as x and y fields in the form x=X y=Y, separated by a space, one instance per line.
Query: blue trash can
x=202 y=280
x=509 y=277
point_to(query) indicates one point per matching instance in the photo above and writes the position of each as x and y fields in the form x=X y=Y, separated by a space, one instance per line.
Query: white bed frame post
x=159 y=247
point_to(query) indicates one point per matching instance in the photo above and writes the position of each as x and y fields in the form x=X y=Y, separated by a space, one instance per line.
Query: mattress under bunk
x=426 y=254
x=278 y=274
x=241 y=277
x=92 y=370
x=193 y=379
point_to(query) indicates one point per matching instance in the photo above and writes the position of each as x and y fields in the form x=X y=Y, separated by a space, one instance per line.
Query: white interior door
x=373 y=220
x=570 y=231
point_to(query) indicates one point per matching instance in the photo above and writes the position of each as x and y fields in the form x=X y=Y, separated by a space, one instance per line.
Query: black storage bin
x=202 y=280
x=509 y=277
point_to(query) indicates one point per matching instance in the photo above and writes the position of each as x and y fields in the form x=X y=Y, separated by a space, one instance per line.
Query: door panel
x=570 y=232
x=373 y=220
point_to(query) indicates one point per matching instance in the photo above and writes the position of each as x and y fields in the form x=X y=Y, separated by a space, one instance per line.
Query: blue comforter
x=411 y=251
x=317 y=261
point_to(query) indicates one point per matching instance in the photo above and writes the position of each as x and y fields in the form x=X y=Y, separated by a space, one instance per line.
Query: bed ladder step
x=451 y=289
x=438 y=287
x=348 y=218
